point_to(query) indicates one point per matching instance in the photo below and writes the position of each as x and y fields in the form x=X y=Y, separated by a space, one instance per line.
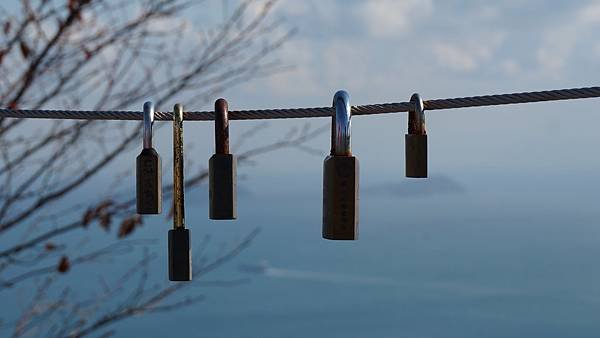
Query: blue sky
x=383 y=51
x=377 y=49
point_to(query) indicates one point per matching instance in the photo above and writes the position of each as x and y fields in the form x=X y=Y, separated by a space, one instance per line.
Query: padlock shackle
x=221 y=126
x=341 y=124
x=178 y=182
x=148 y=121
x=416 y=116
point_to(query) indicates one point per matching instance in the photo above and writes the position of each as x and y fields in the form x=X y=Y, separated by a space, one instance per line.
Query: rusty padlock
x=340 y=177
x=222 y=168
x=180 y=251
x=416 y=140
x=148 y=170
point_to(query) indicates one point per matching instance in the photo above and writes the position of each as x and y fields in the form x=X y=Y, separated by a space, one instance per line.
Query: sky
x=512 y=194
x=512 y=190
x=383 y=51
x=503 y=233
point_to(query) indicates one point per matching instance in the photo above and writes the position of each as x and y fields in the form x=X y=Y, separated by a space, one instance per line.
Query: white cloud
x=597 y=49
x=488 y=12
x=454 y=57
x=467 y=55
x=348 y=63
x=297 y=53
x=561 y=40
x=510 y=67
x=589 y=14
x=295 y=7
x=557 y=45
x=388 y=18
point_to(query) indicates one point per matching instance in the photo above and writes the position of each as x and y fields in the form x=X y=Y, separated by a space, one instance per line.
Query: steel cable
x=288 y=113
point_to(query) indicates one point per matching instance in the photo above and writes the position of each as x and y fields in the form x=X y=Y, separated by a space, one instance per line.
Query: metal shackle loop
x=221 y=126
x=178 y=182
x=340 y=129
x=148 y=121
x=416 y=116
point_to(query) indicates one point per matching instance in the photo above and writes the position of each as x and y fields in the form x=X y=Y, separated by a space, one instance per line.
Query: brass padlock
x=416 y=140
x=180 y=251
x=222 y=168
x=148 y=170
x=340 y=177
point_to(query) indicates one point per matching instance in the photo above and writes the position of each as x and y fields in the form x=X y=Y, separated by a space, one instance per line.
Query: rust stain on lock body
x=222 y=168
x=221 y=127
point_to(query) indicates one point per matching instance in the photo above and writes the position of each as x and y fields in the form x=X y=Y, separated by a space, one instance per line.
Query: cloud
x=347 y=62
x=322 y=64
x=589 y=14
x=389 y=18
x=454 y=57
x=299 y=55
x=597 y=49
x=467 y=55
x=510 y=67
x=488 y=12
x=557 y=46
x=561 y=40
x=296 y=8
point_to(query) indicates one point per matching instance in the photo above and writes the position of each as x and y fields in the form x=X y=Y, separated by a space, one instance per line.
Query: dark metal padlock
x=340 y=177
x=180 y=253
x=340 y=202
x=416 y=140
x=222 y=168
x=148 y=170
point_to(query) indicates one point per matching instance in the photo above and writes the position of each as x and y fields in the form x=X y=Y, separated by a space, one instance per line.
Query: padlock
x=180 y=253
x=148 y=170
x=222 y=168
x=340 y=177
x=416 y=140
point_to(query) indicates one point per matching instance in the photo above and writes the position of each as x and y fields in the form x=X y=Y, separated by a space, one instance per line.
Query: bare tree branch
x=108 y=54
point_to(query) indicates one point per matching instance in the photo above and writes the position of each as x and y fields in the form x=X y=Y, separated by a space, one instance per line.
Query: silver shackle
x=340 y=129
x=416 y=116
x=148 y=121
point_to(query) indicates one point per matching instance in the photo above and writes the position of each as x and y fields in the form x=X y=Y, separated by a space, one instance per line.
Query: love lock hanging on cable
x=340 y=168
x=416 y=140
x=340 y=177
x=222 y=169
x=180 y=253
x=148 y=170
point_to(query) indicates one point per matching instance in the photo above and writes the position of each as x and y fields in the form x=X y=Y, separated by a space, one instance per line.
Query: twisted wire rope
x=288 y=113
